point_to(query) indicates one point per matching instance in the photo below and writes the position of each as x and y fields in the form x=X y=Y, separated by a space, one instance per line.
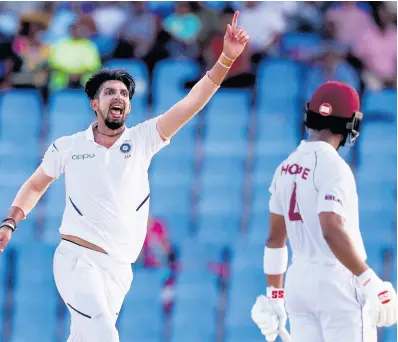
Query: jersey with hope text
x=312 y=180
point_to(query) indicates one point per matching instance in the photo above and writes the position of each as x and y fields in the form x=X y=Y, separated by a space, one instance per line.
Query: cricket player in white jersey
x=107 y=192
x=331 y=293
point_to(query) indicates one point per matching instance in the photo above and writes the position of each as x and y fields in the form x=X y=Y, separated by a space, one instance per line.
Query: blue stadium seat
x=272 y=129
x=196 y=255
x=69 y=112
x=227 y=147
x=300 y=43
x=226 y=172
x=377 y=138
x=53 y=208
x=27 y=230
x=246 y=283
x=380 y=103
x=178 y=226
x=279 y=88
x=172 y=171
x=141 y=315
x=170 y=200
x=3 y=286
x=139 y=102
x=220 y=200
x=386 y=192
x=50 y=233
x=215 y=5
x=182 y=145
x=220 y=230
x=227 y=115
x=20 y=122
x=35 y=276
x=259 y=228
x=375 y=260
x=344 y=72
x=105 y=45
x=203 y=304
x=196 y=293
x=162 y=8
x=376 y=170
x=54 y=198
x=168 y=83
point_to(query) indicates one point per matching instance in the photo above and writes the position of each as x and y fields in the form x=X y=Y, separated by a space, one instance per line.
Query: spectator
x=209 y=22
x=73 y=59
x=347 y=20
x=10 y=62
x=63 y=15
x=156 y=241
x=183 y=26
x=305 y=16
x=109 y=17
x=34 y=54
x=264 y=23
x=376 y=47
x=330 y=66
x=139 y=32
x=168 y=293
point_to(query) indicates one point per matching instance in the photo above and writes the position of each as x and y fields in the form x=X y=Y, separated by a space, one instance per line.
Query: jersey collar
x=124 y=137
x=309 y=146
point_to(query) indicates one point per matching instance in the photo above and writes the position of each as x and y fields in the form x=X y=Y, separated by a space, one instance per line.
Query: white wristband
x=223 y=54
x=275 y=260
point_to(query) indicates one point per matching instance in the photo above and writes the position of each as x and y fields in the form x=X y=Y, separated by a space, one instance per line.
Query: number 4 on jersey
x=294 y=216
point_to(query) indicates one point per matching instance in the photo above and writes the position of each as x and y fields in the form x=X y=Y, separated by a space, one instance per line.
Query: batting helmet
x=335 y=106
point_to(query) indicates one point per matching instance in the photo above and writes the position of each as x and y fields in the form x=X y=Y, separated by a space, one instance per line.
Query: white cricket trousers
x=93 y=287
x=324 y=304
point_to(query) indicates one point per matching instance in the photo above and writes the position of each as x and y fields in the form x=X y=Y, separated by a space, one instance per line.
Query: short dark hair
x=100 y=77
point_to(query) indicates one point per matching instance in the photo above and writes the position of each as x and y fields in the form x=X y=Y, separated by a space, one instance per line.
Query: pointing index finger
x=235 y=20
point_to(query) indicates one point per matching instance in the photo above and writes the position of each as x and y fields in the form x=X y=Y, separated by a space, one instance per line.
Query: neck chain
x=108 y=135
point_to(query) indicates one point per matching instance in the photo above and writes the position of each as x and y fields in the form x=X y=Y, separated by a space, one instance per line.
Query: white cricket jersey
x=312 y=180
x=107 y=190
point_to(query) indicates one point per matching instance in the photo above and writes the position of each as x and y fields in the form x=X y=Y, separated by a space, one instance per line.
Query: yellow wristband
x=225 y=61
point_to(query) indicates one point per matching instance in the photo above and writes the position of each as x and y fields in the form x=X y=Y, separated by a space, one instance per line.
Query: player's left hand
x=382 y=300
x=235 y=39
x=270 y=316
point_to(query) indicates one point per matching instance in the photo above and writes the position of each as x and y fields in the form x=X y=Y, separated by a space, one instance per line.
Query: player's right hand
x=381 y=297
x=270 y=316
x=5 y=237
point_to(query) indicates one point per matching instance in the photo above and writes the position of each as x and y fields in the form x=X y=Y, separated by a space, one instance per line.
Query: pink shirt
x=378 y=50
x=349 y=21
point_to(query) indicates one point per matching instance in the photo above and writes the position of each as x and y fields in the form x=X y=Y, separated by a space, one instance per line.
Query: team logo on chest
x=125 y=148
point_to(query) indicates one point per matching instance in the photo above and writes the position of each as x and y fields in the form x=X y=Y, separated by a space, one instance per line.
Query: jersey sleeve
x=53 y=162
x=333 y=193
x=151 y=137
x=275 y=205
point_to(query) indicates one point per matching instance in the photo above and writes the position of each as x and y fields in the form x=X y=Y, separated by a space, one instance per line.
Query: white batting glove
x=381 y=298
x=270 y=315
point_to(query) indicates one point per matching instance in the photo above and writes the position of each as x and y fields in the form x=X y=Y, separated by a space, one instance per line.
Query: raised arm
x=27 y=197
x=235 y=40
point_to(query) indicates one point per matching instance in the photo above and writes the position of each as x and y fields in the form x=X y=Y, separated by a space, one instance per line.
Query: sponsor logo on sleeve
x=333 y=198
